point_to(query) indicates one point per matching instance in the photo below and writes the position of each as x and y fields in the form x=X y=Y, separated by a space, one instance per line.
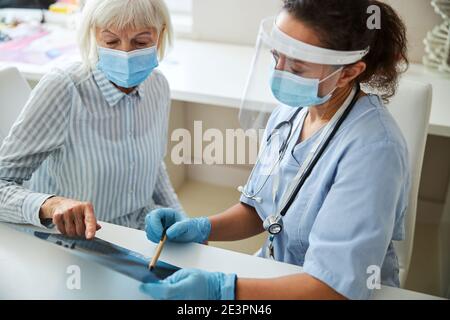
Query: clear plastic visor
x=277 y=53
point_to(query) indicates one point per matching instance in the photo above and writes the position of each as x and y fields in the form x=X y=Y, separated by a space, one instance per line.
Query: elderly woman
x=91 y=140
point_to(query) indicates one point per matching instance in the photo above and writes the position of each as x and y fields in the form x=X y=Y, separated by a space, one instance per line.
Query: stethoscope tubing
x=281 y=152
x=319 y=154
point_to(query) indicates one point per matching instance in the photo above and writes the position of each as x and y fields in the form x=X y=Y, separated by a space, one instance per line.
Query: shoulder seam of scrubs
x=378 y=110
x=380 y=144
x=351 y=122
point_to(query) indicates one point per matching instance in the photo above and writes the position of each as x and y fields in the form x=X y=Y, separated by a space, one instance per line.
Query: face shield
x=286 y=71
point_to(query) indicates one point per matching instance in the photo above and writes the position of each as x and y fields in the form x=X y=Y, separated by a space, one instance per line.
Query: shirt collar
x=110 y=92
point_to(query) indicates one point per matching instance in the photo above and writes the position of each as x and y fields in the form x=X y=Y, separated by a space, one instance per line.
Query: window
x=181 y=12
x=180 y=6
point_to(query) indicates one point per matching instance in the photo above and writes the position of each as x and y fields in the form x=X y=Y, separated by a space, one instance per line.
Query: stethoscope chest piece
x=273 y=224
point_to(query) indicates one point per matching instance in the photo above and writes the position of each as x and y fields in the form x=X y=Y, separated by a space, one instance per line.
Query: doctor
x=331 y=184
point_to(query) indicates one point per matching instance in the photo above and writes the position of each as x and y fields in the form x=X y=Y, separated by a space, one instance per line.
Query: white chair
x=14 y=93
x=411 y=108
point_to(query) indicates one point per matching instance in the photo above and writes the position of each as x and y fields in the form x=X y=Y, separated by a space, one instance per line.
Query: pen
x=158 y=250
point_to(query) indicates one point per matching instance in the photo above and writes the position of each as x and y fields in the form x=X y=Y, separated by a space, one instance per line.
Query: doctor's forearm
x=296 y=287
x=237 y=223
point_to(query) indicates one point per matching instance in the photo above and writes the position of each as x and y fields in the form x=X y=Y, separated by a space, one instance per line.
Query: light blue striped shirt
x=81 y=138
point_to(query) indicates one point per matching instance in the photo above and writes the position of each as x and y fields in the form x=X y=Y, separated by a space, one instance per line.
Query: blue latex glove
x=193 y=284
x=179 y=228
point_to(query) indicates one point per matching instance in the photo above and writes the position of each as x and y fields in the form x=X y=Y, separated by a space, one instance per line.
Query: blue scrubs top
x=352 y=206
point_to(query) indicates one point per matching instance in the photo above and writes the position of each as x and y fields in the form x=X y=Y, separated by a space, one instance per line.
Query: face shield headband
x=278 y=40
x=266 y=88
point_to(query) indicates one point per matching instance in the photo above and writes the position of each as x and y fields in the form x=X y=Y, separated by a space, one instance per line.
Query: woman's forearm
x=296 y=287
x=18 y=204
x=238 y=222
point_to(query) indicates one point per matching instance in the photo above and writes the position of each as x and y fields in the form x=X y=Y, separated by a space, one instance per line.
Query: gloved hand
x=193 y=284
x=179 y=228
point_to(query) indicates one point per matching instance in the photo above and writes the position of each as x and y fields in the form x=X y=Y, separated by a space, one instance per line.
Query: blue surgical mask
x=127 y=69
x=296 y=91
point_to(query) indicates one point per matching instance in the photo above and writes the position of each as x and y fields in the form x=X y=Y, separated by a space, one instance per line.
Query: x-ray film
x=122 y=260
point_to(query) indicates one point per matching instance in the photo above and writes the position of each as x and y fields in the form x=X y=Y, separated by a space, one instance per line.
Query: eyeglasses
x=289 y=64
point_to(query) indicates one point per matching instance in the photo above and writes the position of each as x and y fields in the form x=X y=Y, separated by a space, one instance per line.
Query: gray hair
x=122 y=15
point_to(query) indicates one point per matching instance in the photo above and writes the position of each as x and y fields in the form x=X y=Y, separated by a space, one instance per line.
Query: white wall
x=237 y=21
x=232 y=21
x=419 y=17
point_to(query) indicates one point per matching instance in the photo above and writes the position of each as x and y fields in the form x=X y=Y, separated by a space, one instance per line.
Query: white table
x=34 y=269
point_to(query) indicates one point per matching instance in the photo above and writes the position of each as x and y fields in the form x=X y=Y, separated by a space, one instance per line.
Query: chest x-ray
x=122 y=260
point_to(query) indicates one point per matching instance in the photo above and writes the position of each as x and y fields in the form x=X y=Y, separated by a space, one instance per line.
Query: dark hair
x=342 y=25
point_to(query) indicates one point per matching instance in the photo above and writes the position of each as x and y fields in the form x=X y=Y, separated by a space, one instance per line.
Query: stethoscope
x=274 y=223
x=281 y=152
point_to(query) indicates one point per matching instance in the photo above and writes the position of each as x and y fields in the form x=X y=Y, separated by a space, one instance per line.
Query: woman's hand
x=72 y=218
x=179 y=228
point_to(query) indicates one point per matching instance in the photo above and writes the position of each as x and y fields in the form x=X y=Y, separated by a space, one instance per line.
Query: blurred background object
x=27 y=4
x=437 y=42
x=65 y=6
